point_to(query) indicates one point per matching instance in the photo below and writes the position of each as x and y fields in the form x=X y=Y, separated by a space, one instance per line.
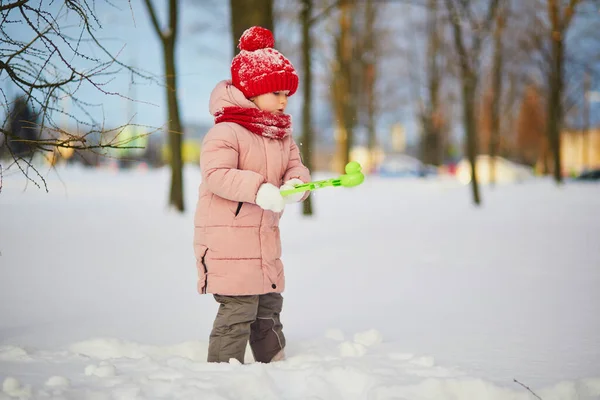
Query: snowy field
x=396 y=289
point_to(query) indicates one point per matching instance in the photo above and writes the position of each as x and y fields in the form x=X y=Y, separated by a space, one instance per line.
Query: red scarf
x=263 y=123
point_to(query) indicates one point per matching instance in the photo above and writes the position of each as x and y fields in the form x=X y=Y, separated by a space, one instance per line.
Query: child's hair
x=259 y=68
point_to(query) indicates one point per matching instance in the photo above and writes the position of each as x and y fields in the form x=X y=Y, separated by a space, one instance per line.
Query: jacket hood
x=227 y=95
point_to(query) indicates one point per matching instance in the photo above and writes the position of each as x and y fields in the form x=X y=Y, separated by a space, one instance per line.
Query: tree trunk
x=469 y=74
x=431 y=146
x=168 y=39
x=509 y=128
x=342 y=89
x=469 y=89
x=306 y=143
x=497 y=95
x=555 y=106
x=370 y=72
x=585 y=140
x=559 y=24
x=175 y=131
x=248 y=13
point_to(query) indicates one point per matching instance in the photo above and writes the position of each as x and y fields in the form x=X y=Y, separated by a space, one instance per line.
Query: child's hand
x=294 y=197
x=268 y=197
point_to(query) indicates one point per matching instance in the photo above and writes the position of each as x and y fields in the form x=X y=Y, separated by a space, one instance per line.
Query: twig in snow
x=527 y=387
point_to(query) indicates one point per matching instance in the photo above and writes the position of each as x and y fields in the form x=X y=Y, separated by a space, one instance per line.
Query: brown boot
x=279 y=356
x=266 y=332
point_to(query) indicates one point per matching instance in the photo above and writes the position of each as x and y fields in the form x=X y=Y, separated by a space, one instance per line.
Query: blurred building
x=193 y=133
x=580 y=150
x=500 y=170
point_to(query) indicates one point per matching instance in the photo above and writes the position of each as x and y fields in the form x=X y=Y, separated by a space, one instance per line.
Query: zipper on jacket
x=239 y=207
x=205 y=272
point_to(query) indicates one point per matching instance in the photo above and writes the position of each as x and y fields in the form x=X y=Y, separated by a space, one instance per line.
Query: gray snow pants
x=243 y=318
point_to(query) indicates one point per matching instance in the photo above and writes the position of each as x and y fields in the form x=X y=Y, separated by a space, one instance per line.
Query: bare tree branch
x=173 y=20
x=47 y=64
x=154 y=19
x=527 y=387
x=486 y=25
x=569 y=12
x=325 y=12
x=10 y=6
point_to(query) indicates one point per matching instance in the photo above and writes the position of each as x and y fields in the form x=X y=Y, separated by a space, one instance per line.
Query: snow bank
x=98 y=296
x=319 y=369
x=109 y=348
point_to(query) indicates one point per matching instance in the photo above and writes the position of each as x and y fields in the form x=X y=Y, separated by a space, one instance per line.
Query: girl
x=247 y=158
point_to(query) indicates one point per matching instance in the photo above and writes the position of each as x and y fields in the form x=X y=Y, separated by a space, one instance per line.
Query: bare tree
x=560 y=19
x=307 y=128
x=585 y=131
x=497 y=73
x=248 y=13
x=561 y=43
x=430 y=108
x=462 y=14
x=51 y=58
x=370 y=54
x=309 y=17
x=22 y=124
x=354 y=75
x=168 y=39
x=343 y=85
x=532 y=143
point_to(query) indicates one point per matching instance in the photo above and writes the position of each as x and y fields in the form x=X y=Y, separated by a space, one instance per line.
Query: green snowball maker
x=352 y=177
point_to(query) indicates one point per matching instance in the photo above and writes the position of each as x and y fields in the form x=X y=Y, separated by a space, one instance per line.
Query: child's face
x=272 y=102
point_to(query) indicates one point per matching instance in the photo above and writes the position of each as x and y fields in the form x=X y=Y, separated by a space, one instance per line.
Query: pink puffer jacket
x=237 y=243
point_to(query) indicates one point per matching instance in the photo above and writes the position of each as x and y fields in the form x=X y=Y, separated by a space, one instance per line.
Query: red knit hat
x=260 y=69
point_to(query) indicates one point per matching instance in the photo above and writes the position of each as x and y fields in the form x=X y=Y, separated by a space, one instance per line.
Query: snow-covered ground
x=396 y=289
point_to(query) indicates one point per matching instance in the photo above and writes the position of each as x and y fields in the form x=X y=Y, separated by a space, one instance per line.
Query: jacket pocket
x=239 y=208
x=203 y=261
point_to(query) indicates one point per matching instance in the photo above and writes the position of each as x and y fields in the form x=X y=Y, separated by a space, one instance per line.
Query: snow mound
x=103 y=370
x=401 y=356
x=58 y=382
x=12 y=387
x=368 y=338
x=587 y=389
x=110 y=348
x=334 y=334
x=423 y=361
x=318 y=371
x=13 y=353
x=351 y=349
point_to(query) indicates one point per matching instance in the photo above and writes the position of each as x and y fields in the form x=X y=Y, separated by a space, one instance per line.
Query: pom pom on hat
x=256 y=38
x=259 y=68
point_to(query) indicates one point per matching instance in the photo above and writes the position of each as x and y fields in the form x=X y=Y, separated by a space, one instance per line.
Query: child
x=246 y=159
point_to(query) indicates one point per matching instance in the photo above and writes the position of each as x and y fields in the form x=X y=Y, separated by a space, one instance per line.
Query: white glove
x=294 y=197
x=269 y=198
